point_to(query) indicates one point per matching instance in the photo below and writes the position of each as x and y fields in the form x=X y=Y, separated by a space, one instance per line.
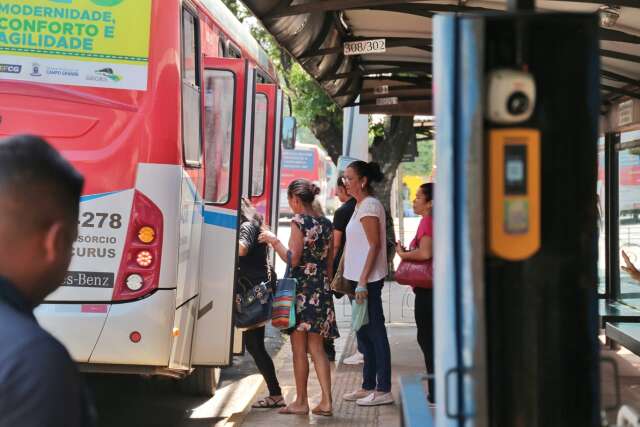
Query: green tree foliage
x=423 y=165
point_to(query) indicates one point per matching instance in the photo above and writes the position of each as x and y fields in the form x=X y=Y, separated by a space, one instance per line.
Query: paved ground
x=406 y=359
x=124 y=401
x=133 y=401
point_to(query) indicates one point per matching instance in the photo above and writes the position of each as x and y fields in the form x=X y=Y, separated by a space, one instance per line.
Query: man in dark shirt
x=341 y=218
x=39 y=202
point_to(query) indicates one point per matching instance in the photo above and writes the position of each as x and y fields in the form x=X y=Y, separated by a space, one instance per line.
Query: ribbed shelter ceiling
x=314 y=31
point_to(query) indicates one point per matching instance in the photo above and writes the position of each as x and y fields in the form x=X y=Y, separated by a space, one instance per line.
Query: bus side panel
x=152 y=317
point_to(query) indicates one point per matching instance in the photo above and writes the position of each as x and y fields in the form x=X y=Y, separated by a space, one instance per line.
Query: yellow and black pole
x=517 y=108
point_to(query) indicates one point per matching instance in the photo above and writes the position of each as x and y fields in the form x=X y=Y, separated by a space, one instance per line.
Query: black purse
x=253 y=301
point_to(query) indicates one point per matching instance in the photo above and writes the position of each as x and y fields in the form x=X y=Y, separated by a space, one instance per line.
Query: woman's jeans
x=374 y=344
x=254 y=340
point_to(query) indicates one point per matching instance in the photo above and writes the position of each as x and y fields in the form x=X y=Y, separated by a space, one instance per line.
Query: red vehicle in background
x=309 y=162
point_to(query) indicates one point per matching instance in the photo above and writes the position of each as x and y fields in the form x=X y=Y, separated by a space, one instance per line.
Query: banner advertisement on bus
x=97 y=43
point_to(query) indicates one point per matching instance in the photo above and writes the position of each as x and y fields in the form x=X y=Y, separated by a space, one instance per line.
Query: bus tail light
x=140 y=265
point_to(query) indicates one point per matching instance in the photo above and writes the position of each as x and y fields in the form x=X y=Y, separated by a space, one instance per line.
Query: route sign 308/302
x=88 y=279
x=362 y=47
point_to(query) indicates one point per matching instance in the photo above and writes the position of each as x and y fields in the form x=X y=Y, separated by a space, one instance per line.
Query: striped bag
x=283 y=308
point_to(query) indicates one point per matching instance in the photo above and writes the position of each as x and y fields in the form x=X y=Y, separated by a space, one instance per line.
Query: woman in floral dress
x=311 y=248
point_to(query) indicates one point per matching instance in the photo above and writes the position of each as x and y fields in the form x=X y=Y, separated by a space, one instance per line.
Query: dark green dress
x=314 y=310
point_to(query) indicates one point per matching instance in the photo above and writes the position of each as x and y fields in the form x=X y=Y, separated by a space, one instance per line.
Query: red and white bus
x=150 y=288
x=306 y=161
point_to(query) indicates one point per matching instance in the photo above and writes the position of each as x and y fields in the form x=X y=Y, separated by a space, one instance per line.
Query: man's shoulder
x=20 y=333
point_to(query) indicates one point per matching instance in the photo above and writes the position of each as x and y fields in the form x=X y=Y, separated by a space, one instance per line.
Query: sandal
x=269 y=403
x=318 y=411
x=288 y=411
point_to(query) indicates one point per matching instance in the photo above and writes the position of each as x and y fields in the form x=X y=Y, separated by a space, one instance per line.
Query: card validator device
x=514 y=192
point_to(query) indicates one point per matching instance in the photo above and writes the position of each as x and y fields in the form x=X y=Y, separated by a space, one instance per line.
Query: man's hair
x=37 y=185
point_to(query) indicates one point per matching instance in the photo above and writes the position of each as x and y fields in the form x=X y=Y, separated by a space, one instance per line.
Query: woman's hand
x=361 y=292
x=267 y=237
x=400 y=249
x=630 y=268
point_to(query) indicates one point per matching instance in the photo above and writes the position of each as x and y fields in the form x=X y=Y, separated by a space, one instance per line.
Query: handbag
x=339 y=283
x=283 y=313
x=418 y=274
x=253 y=301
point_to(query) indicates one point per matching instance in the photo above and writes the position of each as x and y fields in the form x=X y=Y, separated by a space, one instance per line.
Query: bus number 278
x=100 y=220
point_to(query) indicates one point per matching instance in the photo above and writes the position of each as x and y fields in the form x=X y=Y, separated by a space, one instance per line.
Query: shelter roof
x=314 y=32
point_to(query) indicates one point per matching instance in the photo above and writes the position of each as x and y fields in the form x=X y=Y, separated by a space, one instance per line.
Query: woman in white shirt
x=365 y=265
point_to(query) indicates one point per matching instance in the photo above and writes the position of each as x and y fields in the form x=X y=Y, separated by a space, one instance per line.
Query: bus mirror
x=289 y=127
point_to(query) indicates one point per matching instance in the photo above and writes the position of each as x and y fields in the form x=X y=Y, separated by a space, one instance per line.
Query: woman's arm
x=296 y=243
x=371 y=225
x=337 y=244
x=242 y=250
x=330 y=257
x=423 y=252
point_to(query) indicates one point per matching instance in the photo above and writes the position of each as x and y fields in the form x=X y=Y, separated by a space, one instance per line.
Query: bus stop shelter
x=340 y=45
x=318 y=33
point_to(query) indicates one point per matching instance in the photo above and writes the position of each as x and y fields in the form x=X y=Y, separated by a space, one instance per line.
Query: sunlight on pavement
x=229 y=399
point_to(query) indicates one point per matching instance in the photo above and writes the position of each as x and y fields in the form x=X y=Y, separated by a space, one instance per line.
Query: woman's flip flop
x=288 y=411
x=322 y=412
x=269 y=403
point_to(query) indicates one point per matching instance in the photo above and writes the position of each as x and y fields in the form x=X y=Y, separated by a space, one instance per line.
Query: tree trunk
x=329 y=133
x=388 y=151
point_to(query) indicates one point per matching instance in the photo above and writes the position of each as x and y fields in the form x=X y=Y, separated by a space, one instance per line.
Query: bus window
x=629 y=212
x=233 y=51
x=259 y=145
x=190 y=90
x=218 y=122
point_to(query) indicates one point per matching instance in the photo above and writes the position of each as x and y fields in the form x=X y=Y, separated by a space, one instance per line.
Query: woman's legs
x=376 y=333
x=424 y=323
x=323 y=369
x=300 y=370
x=369 y=368
x=254 y=340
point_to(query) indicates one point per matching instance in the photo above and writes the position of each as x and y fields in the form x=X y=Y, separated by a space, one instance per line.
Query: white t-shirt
x=357 y=246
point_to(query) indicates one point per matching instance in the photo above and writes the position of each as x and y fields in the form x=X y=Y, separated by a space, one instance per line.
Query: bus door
x=263 y=150
x=277 y=155
x=228 y=90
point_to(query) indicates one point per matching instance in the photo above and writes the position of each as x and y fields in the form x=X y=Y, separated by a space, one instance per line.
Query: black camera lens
x=517 y=103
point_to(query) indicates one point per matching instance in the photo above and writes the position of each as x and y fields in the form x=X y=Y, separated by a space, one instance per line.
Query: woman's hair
x=304 y=190
x=427 y=190
x=340 y=181
x=249 y=214
x=370 y=170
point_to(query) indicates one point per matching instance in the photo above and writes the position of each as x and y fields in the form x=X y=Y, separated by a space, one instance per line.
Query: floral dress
x=314 y=309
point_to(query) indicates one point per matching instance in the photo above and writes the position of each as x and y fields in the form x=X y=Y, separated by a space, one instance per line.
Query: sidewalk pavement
x=406 y=358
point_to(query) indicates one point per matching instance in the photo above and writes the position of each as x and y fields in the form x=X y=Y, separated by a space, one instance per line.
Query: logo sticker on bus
x=88 y=279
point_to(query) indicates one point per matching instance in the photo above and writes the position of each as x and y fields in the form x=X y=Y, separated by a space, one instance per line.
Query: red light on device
x=135 y=337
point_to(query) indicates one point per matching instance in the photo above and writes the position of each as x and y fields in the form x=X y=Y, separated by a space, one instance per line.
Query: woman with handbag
x=311 y=252
x=365 y=266
x=255 y=270
x=420 y=254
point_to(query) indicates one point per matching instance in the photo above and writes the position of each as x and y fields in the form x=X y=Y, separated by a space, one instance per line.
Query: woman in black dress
x=254 y=266
x=311 y=247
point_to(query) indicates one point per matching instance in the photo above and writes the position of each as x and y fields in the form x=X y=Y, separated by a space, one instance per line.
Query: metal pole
x=521 y=5
x=400 y=204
